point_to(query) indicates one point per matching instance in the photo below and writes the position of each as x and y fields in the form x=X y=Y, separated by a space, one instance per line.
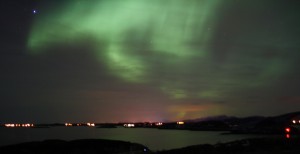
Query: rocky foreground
x=246 y=146
x=91 y=146
x=85 y=146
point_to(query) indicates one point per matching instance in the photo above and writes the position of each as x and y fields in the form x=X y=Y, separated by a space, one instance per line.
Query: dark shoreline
x=253 y=145
x=75 y=146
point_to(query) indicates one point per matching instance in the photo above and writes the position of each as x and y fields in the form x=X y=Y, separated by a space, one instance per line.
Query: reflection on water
x=155 y=139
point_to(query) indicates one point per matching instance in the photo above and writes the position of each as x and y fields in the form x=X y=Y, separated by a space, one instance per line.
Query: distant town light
x=26 y=125
x=91 y=124
x=129 y=125
x=288 y=130
x=68 y=124
x=18 y=125
x=9 y=125
x=180 y=123
x=159 y=124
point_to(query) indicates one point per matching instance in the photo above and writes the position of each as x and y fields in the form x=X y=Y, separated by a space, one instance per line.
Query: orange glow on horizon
x=190 y=111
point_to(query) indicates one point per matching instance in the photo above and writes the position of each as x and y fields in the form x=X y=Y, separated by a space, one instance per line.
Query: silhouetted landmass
x=247 y=125
x=247 y=146
x=267 y=125
x=106 y=125
x=89 y=146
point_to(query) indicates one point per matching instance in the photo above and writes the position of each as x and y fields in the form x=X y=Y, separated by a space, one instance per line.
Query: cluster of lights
x=287 y=131
x=78 y=124
x=90 y=124
x=159 y=124
x=68 y=124
x=18 y=125
x=129 y=125
x=295 y=121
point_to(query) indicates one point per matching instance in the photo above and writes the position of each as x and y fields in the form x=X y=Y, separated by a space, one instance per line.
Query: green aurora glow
x=189 y=49
x=169 y=30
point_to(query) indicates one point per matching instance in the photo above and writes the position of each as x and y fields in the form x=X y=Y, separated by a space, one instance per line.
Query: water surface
x=155 y=139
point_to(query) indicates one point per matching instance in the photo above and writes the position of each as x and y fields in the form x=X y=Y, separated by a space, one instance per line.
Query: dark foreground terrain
x=85 y=146
x=247 y=146
x=91 y=146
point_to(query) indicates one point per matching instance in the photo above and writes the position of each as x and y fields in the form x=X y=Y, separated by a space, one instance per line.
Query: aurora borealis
x=150 y=60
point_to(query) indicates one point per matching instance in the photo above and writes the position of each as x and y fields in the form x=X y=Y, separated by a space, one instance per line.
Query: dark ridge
x=247 y=146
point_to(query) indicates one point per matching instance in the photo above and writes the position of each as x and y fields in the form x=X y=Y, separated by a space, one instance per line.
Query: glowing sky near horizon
x=165 y=59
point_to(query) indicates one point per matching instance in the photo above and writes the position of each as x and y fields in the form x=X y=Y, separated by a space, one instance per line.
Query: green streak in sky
x=196 y=51
x=175 y=93
x=125 y=66
x=180 y=29
x=139 y=39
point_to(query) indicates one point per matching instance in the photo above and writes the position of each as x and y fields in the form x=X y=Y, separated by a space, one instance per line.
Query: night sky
x=147 y=60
